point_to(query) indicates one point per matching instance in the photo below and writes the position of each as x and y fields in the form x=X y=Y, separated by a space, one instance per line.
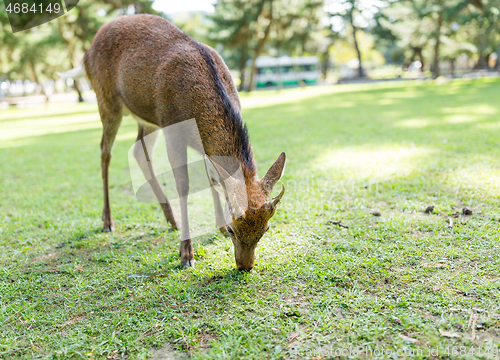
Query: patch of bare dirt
x=204 y=338
x=166 y=353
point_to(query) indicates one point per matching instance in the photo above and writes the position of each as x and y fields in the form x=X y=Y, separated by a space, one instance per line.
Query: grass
x=404 y=281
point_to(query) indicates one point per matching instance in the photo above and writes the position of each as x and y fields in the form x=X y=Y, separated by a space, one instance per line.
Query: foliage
x=36 y=53
x=247 y=26
x=404 y=31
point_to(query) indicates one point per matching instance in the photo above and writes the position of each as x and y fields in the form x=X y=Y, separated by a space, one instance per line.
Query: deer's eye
x=229 y=230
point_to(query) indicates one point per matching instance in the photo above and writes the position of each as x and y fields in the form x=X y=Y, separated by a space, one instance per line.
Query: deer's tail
x=76 y=73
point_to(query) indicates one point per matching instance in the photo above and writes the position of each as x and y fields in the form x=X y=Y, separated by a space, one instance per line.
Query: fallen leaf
x=429 y=316
x=448 y=333
x=408 y=339
x=338 y=223
x=397 y=321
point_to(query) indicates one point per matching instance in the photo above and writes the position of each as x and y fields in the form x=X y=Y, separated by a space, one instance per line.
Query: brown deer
x=162 y=76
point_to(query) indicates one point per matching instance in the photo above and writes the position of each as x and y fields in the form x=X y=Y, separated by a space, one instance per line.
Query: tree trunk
x=406 y=64
x=242 y=65
x=71 y=52
x=278 y=65
x=35 y=76
x=77 y=88
x=481 y=62
x=326 y=59
x=326 y=62
x=497 y=63
x=138 y=8
x=435 y=67
x=361 y=72
x=452 y=67
x=33 y=70
x=259 y=50
x=421 y=59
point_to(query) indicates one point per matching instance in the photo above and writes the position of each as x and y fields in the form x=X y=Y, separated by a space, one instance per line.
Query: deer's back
x=158 y=71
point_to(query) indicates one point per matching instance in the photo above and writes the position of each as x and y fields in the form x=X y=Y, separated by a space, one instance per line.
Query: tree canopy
x=338 y=31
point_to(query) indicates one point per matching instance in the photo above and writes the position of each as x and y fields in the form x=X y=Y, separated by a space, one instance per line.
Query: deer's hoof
x=108 y=225
x=187 y=264
x=223 y=231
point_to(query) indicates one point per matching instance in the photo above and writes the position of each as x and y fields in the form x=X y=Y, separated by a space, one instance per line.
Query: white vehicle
x=285 y=70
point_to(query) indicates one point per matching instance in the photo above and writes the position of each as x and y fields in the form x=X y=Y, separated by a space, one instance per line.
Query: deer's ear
x=274 y=173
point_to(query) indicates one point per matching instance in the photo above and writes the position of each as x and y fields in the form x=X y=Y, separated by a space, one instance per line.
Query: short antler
x=277 y=199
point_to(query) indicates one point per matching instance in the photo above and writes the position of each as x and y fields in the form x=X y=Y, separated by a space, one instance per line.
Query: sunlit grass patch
x=366 y=163
x=478 y=179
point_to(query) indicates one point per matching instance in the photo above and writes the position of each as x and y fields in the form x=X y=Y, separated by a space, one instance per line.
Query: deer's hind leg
x=145 y=161
x=111 y=117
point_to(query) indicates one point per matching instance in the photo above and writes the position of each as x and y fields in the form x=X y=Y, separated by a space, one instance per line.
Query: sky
x=176 y=6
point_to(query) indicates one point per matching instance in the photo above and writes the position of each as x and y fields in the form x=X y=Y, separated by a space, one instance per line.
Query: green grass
x=68 y=290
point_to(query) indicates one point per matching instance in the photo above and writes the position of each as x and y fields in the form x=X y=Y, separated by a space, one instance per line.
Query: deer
x=145 y=65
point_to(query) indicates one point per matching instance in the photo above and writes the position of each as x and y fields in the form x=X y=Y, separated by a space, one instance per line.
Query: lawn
x=405 y=281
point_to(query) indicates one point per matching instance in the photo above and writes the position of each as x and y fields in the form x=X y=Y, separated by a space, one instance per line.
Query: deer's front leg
x=177 y=156
x=219 y=213
x=186 y=249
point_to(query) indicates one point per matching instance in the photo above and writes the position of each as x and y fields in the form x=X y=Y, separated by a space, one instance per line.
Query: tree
x=481 y=27
x=352 y=13
x=235 y=25
x=322 y=43
x=265 y=19
x=443 y=12
x=38 y=52
x=410 y=29
x=248 y=26
x=417 y=24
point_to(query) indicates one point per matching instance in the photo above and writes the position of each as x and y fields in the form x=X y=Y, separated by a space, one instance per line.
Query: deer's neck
x=226 y=135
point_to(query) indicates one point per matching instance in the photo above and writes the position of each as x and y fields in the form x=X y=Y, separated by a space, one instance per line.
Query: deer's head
x=248 y=207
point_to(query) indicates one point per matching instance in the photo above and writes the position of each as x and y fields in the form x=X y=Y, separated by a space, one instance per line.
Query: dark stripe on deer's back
x=234 y=118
